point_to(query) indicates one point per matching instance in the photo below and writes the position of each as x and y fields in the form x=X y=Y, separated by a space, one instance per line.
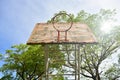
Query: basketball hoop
x=71 y=34
x=59 y=24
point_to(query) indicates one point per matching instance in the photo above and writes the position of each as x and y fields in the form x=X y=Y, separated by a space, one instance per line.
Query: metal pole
x=58 y=36
x=75 y=63
x=65 y=35
x=78 y=61
x=46 y=62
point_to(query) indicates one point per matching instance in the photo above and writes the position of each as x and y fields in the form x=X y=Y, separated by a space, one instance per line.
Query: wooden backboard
x=45 y=33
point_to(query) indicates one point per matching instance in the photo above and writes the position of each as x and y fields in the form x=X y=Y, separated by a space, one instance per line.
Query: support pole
x=75 y=62
x=65 y=35
x=78 y=61
x=58 y=39
x=46 y=62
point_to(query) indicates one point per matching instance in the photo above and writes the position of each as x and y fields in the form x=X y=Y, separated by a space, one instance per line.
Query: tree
x=27 y=62
x=94 y=55
x=113 y=73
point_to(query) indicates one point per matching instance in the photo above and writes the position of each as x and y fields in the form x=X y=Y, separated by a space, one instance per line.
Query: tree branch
x=34 y=70
x=85 y=75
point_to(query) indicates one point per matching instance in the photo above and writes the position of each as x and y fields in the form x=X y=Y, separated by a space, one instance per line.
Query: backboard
x=45 y=33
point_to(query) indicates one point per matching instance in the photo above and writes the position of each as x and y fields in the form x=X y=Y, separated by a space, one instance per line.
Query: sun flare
x=107 y=26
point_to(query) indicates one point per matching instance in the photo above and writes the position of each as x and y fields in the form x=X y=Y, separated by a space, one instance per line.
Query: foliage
x=27 y=62
x=7 y=77
x=0 y=56
x=113 y=73
x=94 y=55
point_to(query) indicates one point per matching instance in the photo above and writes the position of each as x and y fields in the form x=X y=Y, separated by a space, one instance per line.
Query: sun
x=107 y=26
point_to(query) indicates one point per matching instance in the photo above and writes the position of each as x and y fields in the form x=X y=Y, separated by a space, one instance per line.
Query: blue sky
x=18 y=17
